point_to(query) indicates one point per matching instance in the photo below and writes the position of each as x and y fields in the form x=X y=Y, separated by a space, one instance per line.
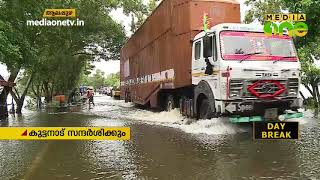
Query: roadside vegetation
x=46 y=61
x=99 y=80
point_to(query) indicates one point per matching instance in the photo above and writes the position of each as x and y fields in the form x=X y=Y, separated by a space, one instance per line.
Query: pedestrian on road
x=90 y=95
x=81 y=90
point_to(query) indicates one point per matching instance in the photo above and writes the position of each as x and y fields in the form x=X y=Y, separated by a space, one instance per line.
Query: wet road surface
x=162 y=146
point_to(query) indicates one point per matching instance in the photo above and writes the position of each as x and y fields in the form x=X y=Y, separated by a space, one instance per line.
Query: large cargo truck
x=231 y=68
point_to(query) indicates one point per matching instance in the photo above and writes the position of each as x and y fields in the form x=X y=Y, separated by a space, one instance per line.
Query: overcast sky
x=114 y=66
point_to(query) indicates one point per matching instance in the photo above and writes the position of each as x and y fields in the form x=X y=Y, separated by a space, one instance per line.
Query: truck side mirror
x=206 y=46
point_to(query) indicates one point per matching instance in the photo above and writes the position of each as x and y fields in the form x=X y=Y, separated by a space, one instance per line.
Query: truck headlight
x=234 y=93
x=293 y=86
x=292 y=92
x=235 y=88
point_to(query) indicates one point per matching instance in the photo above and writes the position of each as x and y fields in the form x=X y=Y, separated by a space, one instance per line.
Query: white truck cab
x=238 y=69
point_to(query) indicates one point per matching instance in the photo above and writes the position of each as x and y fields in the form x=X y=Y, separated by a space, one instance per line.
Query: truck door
x=197 y=61
x=213 y=59
x=211 y=73
x=216 y=67
x=204 y=67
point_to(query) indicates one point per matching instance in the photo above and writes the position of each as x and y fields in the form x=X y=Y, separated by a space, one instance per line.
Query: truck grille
x=238 y=88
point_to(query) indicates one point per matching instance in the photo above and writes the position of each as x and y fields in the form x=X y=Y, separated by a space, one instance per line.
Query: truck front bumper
x=258 y=107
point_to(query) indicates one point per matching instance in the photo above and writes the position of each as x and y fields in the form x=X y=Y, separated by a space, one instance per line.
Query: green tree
x=53 y=57
x=138 y=17
x=98 y=79
x=17 y=48
x=261 y=7
x=113 y=80
x=152 y=5
x=137 y=20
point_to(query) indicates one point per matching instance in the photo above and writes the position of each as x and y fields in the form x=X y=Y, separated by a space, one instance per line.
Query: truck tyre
x=204 y=102
x=205 y=111
x=127 y=97
x=169 y=104
x=181 y=105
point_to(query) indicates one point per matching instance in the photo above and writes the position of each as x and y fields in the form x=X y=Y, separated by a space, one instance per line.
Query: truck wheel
x=204 y=101
x=205 y=111
x=169 y=105
x=181 y=105
x=127 y=97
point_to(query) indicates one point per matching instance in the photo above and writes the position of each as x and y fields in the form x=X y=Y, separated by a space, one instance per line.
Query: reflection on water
x=162 y=147
x=65 y=159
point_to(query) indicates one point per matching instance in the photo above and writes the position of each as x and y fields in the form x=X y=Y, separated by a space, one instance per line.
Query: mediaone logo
x=57 y=13
x=294 y=23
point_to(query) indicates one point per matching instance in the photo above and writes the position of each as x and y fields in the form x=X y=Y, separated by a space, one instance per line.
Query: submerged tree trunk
x=309 y=89
x=46 y=91
x=20 y=99
x=318 y=94
x=4 y=94
x=3 y=105
x=314 y=91
x=37 y=93
x=303 y=97
x=315 y=96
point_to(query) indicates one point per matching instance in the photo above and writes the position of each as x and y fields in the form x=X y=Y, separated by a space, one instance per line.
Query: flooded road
x=162 y=146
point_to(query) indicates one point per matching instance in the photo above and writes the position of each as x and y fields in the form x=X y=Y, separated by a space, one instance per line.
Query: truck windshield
x=237 y=46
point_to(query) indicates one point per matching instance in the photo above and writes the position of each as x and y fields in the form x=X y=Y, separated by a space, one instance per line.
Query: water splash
x=215 y=126
x=118 y=109
x=157 y=117
x=175 y=120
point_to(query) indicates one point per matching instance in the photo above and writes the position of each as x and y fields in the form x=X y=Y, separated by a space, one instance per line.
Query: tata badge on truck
x=231 y=69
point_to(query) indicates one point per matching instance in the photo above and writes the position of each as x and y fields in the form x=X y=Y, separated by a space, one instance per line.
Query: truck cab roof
x=234 y=27
x=231 y=27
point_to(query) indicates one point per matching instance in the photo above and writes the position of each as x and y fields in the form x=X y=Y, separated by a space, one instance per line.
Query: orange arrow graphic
x=25 y=133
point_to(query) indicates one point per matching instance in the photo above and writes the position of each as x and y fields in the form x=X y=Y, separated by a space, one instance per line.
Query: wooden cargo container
x=158 y=55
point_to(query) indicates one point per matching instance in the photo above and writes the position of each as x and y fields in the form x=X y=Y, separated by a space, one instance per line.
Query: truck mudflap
x=238 y=119
x=282 y=117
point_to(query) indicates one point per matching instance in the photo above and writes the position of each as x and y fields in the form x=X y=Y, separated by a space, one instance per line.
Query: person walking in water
x=90 y=95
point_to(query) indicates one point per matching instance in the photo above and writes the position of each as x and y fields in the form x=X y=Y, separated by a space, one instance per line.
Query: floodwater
x=163 y=146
